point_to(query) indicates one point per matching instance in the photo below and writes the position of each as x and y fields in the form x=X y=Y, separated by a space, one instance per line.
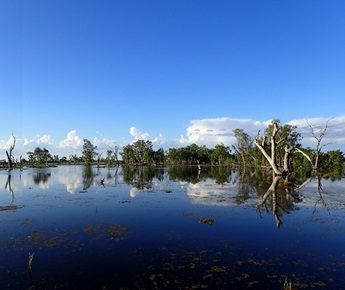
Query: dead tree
x=115 y=152
x=9 y=154
x=318 y=137
x=271 y=156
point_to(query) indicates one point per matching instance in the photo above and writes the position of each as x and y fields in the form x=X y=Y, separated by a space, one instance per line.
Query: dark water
x=100 y=228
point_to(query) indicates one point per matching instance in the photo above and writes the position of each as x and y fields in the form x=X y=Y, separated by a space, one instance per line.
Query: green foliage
x=89 y=151
x=221 y=154
x=332 y=163
x=141 y=153
x=39 y=156
x=244 y=153
x=244 y=145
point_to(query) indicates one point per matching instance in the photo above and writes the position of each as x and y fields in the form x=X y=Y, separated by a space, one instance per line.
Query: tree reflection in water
x=8 y=187
x=141 y=177
x=41 y=177
x=281 y=197
x=321 y=200
x=88 y=176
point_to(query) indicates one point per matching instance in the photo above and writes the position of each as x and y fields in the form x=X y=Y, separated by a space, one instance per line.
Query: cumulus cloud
x=211 y=132
x=5 y=144
x=45 y=139
x=335 y=131
x=160 y=140
x=138 y=134
x=72 y=140
x=104 y=142
x=27 y=142
x=141 y=135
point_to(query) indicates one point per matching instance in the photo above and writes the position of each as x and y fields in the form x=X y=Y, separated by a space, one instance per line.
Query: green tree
x=128 y=154
x=158 y=156
x=41 y=155
x=89 y=151
x=220 y=154
x=244 y=145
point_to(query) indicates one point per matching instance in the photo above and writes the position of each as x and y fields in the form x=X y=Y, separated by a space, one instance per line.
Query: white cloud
x=138 y=134
x=160 y=140
x=211 y=132
x=45 y=139
x=335 y=132
x=5 y=145
x=72 y=141
x=141 y=135
x=27 y=142
x=103 y=144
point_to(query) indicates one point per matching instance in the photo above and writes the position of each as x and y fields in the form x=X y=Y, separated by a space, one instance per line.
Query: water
x=109 y=228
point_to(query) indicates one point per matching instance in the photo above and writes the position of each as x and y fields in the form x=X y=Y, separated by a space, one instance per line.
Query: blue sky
x=173 y=72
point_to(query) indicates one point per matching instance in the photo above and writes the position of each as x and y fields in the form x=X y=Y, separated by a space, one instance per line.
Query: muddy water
x=109 y=228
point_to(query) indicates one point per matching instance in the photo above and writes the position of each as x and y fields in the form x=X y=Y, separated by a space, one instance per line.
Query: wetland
x=86 y=227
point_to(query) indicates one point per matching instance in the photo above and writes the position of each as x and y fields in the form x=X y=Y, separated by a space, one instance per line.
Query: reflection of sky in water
x=204 y=192
x=47 y=178
x=208 y=193
x=164 y=223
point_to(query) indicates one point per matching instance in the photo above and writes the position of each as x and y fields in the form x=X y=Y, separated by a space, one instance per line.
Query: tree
x=9 y=153
x=128 y=154
x=89 y=151
x=220 y=154
x=277 y=145
x=318 y=137
x=158 y=156
x=115 y=152
x=31 y=156
x=244 y=144
x=40 y=155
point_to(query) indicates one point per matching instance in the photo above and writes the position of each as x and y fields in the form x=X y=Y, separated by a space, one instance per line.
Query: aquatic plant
x=31 y=257
x=287 y=284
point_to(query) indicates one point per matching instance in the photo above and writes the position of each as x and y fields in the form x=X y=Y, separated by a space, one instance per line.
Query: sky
x=172 y=72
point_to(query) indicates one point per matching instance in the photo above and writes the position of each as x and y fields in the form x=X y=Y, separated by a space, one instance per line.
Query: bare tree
x=9 y=153
x=318 y=136
x=274 y=143
x=115 y=152
x=277 y=146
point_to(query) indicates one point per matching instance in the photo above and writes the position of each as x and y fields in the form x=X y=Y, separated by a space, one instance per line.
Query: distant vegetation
x=278 y=150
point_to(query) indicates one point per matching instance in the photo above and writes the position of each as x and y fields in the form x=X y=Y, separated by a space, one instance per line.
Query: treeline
x=278 y=149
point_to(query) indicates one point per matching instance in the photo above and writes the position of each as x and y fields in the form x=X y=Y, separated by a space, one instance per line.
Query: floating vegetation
x=41 y=238
x=124 y=201
x=31 y=257
x=114 y=231
x=10 y=207
x=207 y=221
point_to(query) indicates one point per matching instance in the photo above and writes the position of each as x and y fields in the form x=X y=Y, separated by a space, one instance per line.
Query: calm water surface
x=116 y=228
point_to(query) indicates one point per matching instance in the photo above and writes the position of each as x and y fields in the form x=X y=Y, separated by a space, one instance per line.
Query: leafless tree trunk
x=9 y=153
x=318 y=137
x=270 y=158
x=115 y=151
